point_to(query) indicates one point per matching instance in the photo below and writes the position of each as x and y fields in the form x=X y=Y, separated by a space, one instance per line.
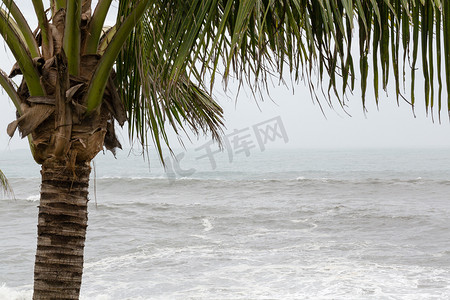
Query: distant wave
x=280 y=179
x=33 y=198
x=143 y=186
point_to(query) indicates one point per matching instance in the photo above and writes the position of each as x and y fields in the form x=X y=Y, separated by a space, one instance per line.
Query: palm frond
x=24 y=28
x=21 y=53
x=182 y=45
x=72 y=36
x=152 y=99
x=43 y=27
x=254 y=39
x=4 y=185
x=96 y=25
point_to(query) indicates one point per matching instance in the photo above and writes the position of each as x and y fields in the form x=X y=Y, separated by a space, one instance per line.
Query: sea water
x=278 y=224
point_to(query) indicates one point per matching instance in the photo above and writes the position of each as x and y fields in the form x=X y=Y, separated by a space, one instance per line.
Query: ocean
x=267 y=224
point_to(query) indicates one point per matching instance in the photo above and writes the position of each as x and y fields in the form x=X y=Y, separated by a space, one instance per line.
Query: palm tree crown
x=167 y=60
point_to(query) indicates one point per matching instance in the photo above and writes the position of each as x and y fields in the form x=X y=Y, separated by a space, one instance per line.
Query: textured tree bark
x=62 y=224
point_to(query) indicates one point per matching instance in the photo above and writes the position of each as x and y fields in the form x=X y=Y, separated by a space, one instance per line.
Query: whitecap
x=207 y=224
x=34 y=198
x=306 y=222
x=13 y=294
x=299 y=221
x=203 y=237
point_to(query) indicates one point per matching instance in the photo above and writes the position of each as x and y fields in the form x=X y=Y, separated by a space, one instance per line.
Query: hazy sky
x=391 y=126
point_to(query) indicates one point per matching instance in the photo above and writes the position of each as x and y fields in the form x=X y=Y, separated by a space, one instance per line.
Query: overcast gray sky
x=391 y=126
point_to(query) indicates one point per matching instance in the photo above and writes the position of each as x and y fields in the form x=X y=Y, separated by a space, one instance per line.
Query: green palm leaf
x=182 y=45
x=4 y=185
x=153 y=100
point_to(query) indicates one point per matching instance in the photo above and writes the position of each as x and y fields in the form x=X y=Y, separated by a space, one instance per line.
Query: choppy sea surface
x=279 y=224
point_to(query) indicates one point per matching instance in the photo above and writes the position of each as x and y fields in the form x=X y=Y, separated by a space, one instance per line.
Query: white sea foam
x=207 y=224
x=307 y=222
x=252 y=279
x=199 y=236
x=7 y=293
x=96 y=297
x=34 y=198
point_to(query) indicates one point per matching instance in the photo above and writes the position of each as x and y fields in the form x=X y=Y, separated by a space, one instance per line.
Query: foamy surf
x=8 y=293
x=34 y=198
x=207 y=224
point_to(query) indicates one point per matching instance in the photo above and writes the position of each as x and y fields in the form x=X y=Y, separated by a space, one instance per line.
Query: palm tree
x=156 y=67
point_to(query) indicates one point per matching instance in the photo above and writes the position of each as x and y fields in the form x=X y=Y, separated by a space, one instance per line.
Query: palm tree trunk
x=62 y=227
